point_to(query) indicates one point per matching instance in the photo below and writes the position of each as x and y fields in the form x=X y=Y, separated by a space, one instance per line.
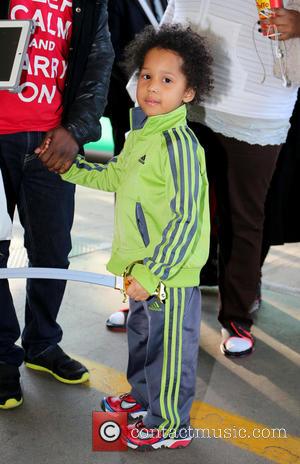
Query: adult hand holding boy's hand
x=135 y=290
x=287 y=23
x=59 y=150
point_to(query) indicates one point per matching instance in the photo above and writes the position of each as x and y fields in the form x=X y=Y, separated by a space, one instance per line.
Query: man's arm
x=81 y=124
x=90 y=101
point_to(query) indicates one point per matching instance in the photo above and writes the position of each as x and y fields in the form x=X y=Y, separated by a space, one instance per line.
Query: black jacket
x=90 y=61
x=126 y=19
x=282 y=222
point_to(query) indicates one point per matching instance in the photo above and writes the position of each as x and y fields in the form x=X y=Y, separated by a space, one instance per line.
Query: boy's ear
x=189 y=95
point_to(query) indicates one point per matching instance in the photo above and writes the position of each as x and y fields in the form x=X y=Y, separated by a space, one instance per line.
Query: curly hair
x=189 y=45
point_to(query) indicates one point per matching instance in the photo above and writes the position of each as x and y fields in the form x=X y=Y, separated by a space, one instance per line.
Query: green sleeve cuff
x=145 y=277
x=67 y=174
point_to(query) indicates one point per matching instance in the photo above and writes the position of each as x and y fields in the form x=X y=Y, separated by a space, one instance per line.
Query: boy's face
x=162 y=85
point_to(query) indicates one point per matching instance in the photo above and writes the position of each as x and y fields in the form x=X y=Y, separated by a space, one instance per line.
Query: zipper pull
x=162 y=293
x=125 y=286
x=124 y=300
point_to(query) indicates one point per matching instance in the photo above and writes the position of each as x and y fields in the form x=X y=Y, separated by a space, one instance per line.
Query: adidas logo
x=142 y=159
x=155 y=306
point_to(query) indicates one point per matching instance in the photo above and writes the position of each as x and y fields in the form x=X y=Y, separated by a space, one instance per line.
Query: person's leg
x=137 y=336
x=117 y=110
x=249 y=173
x=11 y=355
x=264 y=252
x=134 y=403
x=172 y=353
x=46 y=209
x=9 y=326
x=170 y=371
x=11 y=149
x=45 y=204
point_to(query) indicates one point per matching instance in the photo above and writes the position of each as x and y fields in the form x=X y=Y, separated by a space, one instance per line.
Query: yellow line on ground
x=212 y=422
x=242 y=432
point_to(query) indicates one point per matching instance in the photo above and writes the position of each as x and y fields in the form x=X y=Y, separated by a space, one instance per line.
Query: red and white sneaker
x=237 y=340
x=141 y=438
x=123 y=403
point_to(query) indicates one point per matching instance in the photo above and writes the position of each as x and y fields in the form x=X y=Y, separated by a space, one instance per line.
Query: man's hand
x=286 y=21
x=58 y=150
x=135 y=290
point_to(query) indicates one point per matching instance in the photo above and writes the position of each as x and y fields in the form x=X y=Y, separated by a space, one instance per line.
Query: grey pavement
x=54 y=423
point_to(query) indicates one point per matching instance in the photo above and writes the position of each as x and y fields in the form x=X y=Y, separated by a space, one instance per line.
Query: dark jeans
x=46 y=208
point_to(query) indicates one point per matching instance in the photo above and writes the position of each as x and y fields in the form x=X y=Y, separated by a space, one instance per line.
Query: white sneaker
x=237 y=341
x=117 y=321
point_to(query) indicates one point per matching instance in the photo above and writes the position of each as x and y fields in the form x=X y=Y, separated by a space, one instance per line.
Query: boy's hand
x=135 y=291
x=287 y=23
x=65 y=167
x=57 y=150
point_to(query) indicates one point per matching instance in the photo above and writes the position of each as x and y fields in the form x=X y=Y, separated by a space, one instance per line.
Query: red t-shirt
x=38 y=107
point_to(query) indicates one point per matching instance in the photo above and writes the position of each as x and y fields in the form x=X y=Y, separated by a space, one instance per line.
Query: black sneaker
x=57 y=363
x=10 y=389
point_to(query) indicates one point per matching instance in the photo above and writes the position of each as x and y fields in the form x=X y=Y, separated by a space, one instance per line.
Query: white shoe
x=117 y=321
x=236 y=342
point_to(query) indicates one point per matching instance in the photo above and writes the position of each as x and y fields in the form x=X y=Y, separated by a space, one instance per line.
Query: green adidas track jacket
x=162 y=222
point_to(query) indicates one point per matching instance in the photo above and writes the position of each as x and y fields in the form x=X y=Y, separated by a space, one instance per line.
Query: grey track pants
x=163 y=344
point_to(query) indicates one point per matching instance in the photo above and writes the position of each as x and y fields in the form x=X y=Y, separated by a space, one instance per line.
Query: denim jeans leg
x=46 y=210
x=9 y=327
x=12 y=148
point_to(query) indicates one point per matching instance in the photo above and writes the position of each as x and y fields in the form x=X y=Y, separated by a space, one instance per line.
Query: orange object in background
x=268 y=4
x=264 y=7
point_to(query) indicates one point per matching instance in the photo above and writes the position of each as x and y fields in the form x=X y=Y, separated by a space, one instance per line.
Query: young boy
x=161 y=235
